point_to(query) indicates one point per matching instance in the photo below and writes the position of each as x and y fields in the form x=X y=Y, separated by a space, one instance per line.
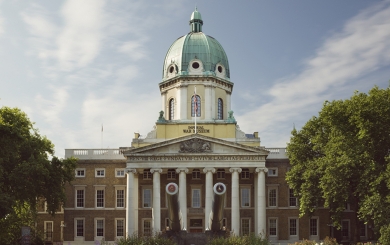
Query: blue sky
x=75 y=65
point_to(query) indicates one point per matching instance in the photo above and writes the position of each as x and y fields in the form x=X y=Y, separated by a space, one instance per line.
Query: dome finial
x=196 y=21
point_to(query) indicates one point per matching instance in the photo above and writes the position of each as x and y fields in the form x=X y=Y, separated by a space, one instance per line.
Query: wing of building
x=196 y=143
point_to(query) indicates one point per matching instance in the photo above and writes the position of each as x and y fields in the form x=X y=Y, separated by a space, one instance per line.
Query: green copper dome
x=196 y=47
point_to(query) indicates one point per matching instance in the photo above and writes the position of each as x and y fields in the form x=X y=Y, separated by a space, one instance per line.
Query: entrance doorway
x=196 y=225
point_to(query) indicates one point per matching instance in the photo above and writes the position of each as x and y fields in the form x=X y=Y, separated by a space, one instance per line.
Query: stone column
x=208 y=195
x=156 y=199
x=131 y=222
x=182 y=108
x=183 y=194
x=164 y=103
x=207 y=102
x=235 y=201
x=228 y=106
x=261 y=218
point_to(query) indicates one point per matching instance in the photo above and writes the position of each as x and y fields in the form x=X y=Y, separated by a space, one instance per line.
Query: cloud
x=361 y=47
x=80 y=40
x=134 y=49
x=52 y=108
x=2 y=30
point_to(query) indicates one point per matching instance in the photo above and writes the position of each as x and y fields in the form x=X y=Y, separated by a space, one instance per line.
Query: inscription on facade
x=199 y=129
x=195 y=158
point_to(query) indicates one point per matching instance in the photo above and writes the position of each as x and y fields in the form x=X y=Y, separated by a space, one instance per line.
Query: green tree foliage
x=341 y=156
x=28 y=168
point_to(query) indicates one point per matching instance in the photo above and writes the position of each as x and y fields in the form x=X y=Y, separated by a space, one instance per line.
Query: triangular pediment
x=196 y=144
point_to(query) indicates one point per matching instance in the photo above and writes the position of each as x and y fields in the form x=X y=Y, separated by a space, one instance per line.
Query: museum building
x=195 y=143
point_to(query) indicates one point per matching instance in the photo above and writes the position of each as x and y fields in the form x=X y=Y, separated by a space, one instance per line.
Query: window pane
x=245 y=227
x=100 y=198
x=293 y=199
x=147 y=198
x=120 y=198
x=272 y=198
x=196 y=174
x=195 y=106
x=171 y=109
x=79 y=227
x=345 y=228
x=245 y=198
x=313 y=227
x=99 y=227
x=293 y=227
x=147 y=227
x=80 y=198
x=272 y=227
x=220 y=109
x=196 y=198
x=120 y=227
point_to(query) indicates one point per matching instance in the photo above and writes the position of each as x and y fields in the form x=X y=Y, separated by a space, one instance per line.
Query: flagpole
x=195 y=107
x=101 y=138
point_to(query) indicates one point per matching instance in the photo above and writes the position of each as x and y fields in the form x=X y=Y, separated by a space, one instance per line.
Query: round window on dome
x=220 y=69
x=195 y=65
x=171 y=69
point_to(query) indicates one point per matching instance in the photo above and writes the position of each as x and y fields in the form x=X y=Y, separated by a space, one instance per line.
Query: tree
x=28 y=168
x=342 y=156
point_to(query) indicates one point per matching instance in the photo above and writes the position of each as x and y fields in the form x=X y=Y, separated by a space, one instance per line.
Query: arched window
x=195 y=105
x=171 y=109
x=220 y=109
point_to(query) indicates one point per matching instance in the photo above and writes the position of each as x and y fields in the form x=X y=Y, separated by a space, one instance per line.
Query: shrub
x=239 y=240
x=136 y=239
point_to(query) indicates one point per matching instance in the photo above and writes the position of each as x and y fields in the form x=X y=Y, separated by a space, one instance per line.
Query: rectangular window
x=196 y=198
x=292 y=199
x=313 y=227
x=48 y=230
x=99 y=227
x=79 y=227
x=272 y=197
x=120 y=227
x=221 y=173
x=245 y=226
x=171 y=174
x=272 y=172
x=80 y=172
x=119 y=172
x=79 y=198
x=345 y=229
x=196 y=174
x=293 y=226
x=147 y=175
x=147 y=227
x=120 y=198
x=99 y=172
x=362 y=228
x=273 y=226
x=245 y=173
x=100 y=198
x=147 y=198
x=245 y=197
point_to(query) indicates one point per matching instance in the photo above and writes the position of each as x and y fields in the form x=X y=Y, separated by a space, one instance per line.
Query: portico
x=185 y=156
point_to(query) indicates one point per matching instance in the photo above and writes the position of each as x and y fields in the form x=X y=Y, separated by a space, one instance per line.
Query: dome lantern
x=196 y=21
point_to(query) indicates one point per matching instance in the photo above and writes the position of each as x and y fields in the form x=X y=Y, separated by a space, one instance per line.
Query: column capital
x=205 y=170
x=130 y=170
x=157 y=170
x=231 y=170
x=185 y=170
x=262 y=169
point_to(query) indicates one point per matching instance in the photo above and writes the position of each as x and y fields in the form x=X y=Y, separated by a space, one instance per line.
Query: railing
x=277 y=153
x=95 y=153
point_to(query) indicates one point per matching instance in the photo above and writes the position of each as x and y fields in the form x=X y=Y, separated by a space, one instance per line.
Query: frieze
x=195 y=146
x=194 y=158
